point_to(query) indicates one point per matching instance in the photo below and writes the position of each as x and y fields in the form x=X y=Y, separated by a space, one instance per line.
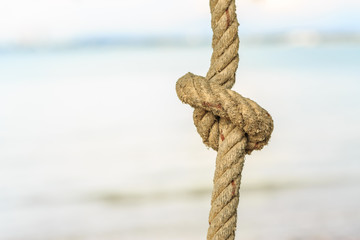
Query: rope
x=227 y=122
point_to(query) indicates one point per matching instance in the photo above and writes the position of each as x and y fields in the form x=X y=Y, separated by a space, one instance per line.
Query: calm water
x=95 y=145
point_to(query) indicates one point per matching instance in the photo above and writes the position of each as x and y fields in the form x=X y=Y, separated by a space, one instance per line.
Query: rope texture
x=227 y=122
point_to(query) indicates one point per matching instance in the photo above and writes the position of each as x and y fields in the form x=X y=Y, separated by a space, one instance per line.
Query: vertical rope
x=227 y=122
x=224 y=63
x=225 y=43
x=225 y=196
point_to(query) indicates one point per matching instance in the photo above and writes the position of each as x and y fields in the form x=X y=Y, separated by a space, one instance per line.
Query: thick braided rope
x=227 y=122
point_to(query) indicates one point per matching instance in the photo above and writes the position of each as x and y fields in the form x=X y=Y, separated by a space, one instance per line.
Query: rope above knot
x=212 y=101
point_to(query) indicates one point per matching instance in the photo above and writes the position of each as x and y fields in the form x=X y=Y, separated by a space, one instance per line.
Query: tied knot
x=212 y=102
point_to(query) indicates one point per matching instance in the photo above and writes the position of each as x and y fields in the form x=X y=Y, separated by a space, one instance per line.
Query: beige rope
x=226 y=121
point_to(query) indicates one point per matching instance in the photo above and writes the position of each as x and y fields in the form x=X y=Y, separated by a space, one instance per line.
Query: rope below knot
x=227 y=122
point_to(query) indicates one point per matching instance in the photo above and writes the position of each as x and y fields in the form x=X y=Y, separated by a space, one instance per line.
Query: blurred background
x=95 y=145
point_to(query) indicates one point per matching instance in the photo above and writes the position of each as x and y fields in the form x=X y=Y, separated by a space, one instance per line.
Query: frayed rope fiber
x=227 y=122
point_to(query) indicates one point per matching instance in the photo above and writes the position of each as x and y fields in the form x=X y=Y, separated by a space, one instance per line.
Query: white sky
x=58 y=20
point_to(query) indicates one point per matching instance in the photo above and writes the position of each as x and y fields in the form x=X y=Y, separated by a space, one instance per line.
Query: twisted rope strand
x=227 y=122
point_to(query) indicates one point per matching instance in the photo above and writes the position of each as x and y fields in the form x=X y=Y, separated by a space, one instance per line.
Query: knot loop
x=212 y=101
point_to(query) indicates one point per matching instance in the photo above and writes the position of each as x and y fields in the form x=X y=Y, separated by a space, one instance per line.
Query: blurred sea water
x=95 y=145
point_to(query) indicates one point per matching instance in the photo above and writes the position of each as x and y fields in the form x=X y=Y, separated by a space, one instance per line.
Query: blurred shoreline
x=293 y=38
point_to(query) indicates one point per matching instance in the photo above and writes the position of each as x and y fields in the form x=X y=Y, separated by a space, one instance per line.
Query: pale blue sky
x=43 y=20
